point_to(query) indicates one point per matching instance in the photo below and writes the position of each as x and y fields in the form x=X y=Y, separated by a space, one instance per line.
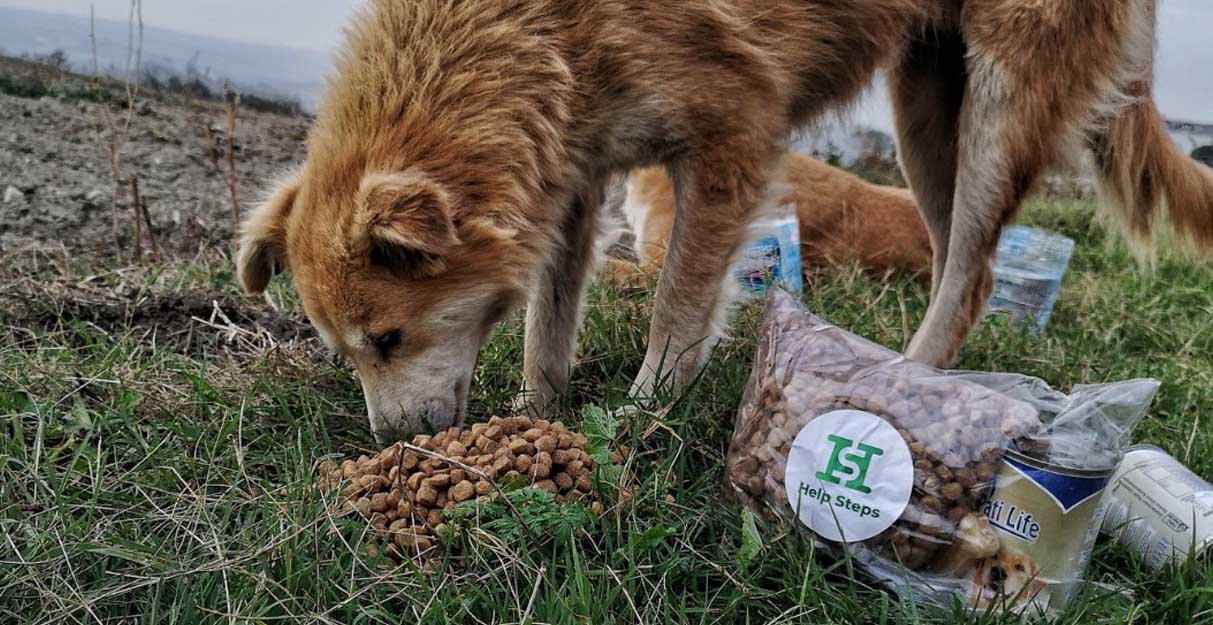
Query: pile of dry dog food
x=404 y=490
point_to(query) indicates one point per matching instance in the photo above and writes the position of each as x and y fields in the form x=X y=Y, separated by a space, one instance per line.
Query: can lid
x=1045 y=465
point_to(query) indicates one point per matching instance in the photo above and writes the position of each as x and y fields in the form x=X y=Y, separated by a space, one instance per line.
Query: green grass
x=142 y=485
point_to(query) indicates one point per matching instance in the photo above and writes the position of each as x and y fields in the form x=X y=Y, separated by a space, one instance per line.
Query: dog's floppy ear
x=263 y=237
x=405 y=221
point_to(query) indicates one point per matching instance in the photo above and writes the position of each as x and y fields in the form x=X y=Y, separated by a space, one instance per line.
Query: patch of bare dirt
x=188 y=322
x=55 y=185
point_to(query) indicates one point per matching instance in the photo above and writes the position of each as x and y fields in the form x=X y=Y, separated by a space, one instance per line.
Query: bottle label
x=773 y=257
x=761 y=264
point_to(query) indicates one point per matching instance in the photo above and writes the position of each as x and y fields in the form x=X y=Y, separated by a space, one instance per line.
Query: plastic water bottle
x=1027 y=274
x=771 y=254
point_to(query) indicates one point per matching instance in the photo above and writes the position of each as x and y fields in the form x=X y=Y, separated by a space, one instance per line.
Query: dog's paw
x=645 y=386
x=628 y=411
x=533 y=404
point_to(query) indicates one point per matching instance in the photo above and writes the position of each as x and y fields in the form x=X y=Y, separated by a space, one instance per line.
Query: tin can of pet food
x=1159 y=508
x=1045 y=516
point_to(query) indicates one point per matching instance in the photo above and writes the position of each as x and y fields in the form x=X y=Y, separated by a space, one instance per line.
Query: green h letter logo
x=859 y=461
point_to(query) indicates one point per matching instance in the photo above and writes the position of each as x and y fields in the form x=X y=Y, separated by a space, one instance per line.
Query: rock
x=12 y=194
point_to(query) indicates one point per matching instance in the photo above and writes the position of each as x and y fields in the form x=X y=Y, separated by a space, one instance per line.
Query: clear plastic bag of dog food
x=901 y=465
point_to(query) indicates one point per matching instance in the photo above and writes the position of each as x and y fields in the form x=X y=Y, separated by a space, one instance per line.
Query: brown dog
x=460 y=156
x=842 y=219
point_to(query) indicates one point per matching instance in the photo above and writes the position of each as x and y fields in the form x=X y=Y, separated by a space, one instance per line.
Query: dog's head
x=395 y=276
x=1009 y=576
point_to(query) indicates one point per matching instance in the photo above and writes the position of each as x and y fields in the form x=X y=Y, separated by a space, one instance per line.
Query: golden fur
x=459 y=157
x=842 y=219
x=1143 y=172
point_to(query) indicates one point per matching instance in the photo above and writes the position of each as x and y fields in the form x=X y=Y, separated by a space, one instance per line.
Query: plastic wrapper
x=895 y=461
x=1028 y=270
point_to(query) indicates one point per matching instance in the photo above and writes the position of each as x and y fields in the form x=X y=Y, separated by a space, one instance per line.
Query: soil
x=55 y=187
x=190 y=322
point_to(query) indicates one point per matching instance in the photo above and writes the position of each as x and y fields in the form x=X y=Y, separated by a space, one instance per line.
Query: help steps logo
x=849 y=475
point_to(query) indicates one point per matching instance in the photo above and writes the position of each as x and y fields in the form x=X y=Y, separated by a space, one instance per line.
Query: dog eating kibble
x=462 y=153
x=404 y=490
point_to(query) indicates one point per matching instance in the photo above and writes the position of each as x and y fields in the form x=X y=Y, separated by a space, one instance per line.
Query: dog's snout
x=997 y=575
x=428 y=416
x=435 y=415
x=412 y=399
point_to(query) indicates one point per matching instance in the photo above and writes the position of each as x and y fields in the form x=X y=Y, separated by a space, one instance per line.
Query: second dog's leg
x=718 y=195
x=554 y=311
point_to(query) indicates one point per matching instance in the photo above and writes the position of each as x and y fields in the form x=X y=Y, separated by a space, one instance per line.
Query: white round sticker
x=849 y=475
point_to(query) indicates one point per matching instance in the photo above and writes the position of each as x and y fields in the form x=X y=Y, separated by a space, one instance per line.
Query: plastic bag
x=897 y=461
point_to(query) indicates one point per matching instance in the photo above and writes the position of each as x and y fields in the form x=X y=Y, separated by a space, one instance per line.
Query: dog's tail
x=1142 y=172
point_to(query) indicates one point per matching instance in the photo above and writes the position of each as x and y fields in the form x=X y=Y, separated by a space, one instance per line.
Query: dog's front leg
x=554 y=309
x=718 y=195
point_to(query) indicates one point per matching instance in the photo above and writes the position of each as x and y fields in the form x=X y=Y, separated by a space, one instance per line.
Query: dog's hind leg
x=927 y=89
x=554 y=311
x=993 y=177
x=719 y=191
x=1016 y=119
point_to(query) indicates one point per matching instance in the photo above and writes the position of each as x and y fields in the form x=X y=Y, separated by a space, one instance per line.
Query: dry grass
x=118 y=129
x=232 y=101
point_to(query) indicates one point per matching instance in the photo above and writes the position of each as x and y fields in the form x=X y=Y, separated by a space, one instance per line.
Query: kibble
x=404 y=494
x=463 y=491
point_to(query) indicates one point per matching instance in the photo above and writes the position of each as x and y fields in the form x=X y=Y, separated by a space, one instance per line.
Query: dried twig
x=232 y=100
x=142 y=218
x=134 y=55
x=530 y=604
x=92 y=38
x=119 y=132
x=212 y=147
x=151 y=232
x=136 y=221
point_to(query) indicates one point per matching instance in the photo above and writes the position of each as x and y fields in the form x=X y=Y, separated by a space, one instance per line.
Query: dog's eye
x=387 y=342
x=1019 y=567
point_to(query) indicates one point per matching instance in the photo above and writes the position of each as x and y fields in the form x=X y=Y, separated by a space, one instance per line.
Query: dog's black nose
x=428 y=416
x=434 y=415
x=997 y=575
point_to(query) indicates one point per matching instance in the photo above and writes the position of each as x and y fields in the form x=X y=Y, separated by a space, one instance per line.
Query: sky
x=292 y=23
x=1184 y=88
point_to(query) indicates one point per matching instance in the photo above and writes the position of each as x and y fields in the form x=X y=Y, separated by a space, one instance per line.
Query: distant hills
x=266 y=70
